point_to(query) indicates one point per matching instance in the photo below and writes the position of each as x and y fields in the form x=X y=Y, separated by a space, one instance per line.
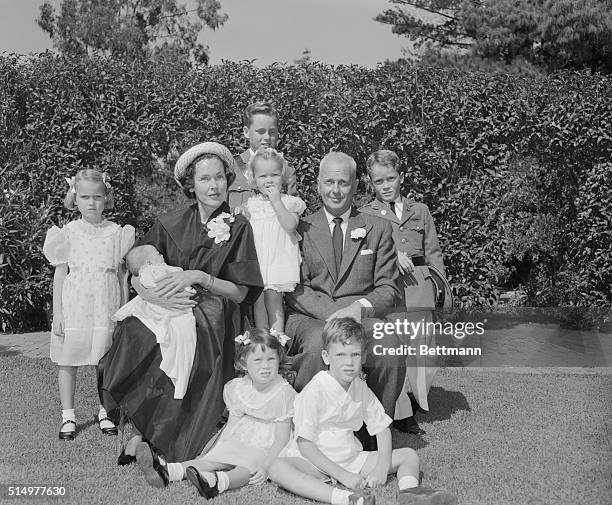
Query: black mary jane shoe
x=125 y=459
x=154 y=472
x=108 y=431
x=201 y=484
x=67 y=435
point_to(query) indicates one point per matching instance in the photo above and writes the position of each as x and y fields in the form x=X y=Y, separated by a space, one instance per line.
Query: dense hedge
x=516 y=170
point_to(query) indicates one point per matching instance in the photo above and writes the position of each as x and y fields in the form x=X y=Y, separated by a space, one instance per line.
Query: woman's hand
x=179 y=302
x=176 y=282
x=259 y=476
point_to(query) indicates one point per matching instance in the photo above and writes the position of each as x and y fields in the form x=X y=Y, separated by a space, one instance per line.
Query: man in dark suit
x=261 y=128
x=348 y=270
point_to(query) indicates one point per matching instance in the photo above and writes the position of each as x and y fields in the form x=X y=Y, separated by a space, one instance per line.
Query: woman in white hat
x=217 y=254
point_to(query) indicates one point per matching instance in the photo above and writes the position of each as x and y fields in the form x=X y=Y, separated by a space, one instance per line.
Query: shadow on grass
x=83 y=426
x=443 y=404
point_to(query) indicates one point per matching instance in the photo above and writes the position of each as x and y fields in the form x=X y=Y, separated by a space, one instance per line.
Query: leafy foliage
x=514 y=169
x=131 y=29
x=551 y=34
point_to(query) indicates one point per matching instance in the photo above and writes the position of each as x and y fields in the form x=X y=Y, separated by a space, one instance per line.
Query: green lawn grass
x=492 y=438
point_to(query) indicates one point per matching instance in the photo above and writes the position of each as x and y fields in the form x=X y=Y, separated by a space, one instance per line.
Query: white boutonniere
x=219 y=229
x=358 y=233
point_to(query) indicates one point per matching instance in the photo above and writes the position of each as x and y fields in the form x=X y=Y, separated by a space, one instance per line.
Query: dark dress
x=130 y=373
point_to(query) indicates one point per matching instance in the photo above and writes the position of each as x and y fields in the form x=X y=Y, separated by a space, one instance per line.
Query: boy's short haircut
x=344 y=330
x=258 y=108
x=384 y=157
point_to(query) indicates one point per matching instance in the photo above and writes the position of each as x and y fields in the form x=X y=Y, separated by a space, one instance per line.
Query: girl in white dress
x=260 y=408
x=274 y=218
x=88 y=287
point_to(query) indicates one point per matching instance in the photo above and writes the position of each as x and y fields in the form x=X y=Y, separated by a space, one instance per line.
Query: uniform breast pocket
x=415 y=237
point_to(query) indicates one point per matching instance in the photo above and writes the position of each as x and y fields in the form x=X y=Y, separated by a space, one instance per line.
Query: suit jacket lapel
x=322 y=240
x=245 y=156
x=351 y=245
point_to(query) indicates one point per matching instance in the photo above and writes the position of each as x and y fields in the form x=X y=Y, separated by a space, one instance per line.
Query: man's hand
x=377 y=477
x=58 y=324
x=353 y=310
x=259 y=476
x=352 y=480
x=404 y=262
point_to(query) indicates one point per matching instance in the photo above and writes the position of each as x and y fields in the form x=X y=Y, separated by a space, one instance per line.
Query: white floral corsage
x=358 y=233
x=243 y=339
x=281 y=337
x=219 y=229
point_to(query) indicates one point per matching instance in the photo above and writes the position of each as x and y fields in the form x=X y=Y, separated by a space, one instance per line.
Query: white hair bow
x=243 y=339
x=281 y=337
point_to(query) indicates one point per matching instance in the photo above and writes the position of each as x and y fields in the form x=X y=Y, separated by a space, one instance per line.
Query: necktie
x=392 y=205
x=337 y=242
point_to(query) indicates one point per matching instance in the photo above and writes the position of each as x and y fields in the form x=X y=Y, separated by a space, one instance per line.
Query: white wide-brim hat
x=191 y=154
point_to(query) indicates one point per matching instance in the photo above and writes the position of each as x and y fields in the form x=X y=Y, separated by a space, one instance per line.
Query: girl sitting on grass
x=260 y=408
x=88 y=287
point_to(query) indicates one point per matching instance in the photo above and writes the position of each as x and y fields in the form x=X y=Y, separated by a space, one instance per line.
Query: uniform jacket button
x=403 y=241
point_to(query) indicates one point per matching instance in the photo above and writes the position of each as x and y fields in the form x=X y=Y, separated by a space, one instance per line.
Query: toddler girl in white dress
x=260 y=408
x=88 y=287
x=175 y=330
x=274 y=218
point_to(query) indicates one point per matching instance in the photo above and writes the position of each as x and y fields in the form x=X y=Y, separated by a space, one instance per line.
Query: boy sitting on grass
x=333 y=405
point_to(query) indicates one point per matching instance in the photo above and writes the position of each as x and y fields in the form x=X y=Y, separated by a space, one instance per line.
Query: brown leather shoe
x=421 y=495
x=408 y=425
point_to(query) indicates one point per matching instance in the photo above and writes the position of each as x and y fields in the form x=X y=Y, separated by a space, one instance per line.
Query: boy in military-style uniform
x=261 y=128
x=416 y=241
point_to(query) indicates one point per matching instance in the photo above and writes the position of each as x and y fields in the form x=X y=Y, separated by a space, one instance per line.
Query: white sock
x=102 y=413
x=68 y=415
x=340 y=496
x=222 y=481
x=176 y=472
x=407 y=481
